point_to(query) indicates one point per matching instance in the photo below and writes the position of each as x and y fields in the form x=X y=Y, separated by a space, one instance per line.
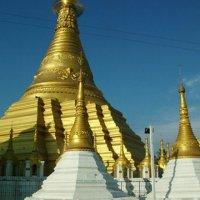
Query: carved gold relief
x=79 y=133
x=67 y=18
x=58 y=59
x=75 y=75
x=58 y=72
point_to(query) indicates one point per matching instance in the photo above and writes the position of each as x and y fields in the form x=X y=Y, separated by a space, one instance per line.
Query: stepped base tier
x=180 y=181
x=53 y=120
x=79 y=175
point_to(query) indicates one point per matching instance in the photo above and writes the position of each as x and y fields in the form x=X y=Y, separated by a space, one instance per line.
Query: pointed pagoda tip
x=181 y=87
x=146 y=142
x=80 y=95
x=122 y=159
x=146 y=147
x=147 y=157
x=162 y=162
x=167 y=151
x=161 y=142
x=186 y=145
x=81 y=136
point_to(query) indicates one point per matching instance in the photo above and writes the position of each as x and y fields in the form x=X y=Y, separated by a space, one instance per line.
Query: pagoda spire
x=147 y=154
x=186 y=145
x=122 y=160
x=60 y=67
x=167 y=151
x=145 y=164
x=147 y=159
x=81 y=136
x=162 y=161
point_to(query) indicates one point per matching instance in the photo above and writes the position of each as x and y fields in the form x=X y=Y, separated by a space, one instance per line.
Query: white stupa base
x=79 y=175
x=180 y=181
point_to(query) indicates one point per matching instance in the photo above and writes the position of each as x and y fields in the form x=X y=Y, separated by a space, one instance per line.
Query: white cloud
x=193 y=82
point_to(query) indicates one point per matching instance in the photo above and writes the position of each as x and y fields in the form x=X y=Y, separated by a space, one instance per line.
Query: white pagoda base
x=181 y=180
x=79 y=175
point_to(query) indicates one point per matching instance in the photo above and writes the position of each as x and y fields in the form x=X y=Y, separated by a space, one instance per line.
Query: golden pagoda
x=162 y=160
x=180 y=179
x=122 y=165
x=80 y=174
x=186 y=145
x=145 y=165
x=81 y=136
x=48 y=104
x=122 y=160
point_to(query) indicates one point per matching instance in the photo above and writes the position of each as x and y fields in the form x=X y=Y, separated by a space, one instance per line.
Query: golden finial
x=122 y=160
x=167 y=151
x=81 y=137
x=186 y=145
x=147 y=154
x=162 y=161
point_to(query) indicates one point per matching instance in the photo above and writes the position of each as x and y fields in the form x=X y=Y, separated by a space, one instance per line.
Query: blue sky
x=135 y=49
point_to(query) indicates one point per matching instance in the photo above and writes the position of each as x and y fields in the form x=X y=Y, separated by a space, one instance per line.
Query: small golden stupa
x=186 y=145
x=181 y=177
x=81 y=137
x=122 y=165
x=162 y=161
x=145 y=165
x=48 y=105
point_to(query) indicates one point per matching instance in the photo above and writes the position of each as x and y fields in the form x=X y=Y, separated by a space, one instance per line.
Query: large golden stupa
x=43 y=117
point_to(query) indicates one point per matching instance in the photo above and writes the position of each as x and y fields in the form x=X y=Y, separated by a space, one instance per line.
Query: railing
x=137 y=187
x=17 y=188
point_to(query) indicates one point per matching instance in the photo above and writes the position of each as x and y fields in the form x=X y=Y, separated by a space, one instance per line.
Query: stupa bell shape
x=181 y=178
x=162 y=162
x=49 y=102
x=186 y=145
x=81 y=136
x=80 y=174
x=145 y=165
x=122 y=167
x=64 y=59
